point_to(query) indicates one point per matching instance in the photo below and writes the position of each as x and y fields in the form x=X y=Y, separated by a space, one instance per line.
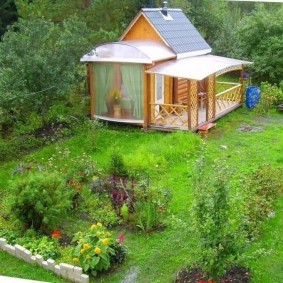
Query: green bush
x=271 y=95
x=40 y=200
x=117 y=165
x=261 y=190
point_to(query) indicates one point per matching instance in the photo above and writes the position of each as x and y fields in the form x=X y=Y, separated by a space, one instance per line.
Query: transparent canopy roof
x=132 y=51
x=196 y=68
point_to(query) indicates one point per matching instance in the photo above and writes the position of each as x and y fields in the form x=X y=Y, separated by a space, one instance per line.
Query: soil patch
x=248 y=128
x=196 y=275
x=50 y=130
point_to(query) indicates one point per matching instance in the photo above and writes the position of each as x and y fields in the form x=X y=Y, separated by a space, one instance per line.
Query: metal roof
x=196 y=68
x=131 y=51
x=177 y=30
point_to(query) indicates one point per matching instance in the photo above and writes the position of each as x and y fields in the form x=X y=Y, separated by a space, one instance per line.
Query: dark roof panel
x=177 y=30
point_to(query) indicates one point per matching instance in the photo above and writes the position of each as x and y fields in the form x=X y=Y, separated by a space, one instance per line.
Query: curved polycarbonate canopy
x=197 y=68
x=133 y=51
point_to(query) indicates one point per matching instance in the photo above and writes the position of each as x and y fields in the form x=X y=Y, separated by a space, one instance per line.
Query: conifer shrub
x=40 y=200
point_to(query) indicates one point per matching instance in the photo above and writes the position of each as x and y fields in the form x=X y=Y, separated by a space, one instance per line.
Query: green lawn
x=169 y=160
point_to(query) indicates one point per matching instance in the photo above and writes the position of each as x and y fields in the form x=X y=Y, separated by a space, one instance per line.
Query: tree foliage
x=39 y=64
x=260 y=39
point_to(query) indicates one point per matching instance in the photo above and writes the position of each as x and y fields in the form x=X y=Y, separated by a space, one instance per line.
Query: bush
x=271 y=95
x=261 y=190
x=40 y=200
x=94 y=249
x=221 y=236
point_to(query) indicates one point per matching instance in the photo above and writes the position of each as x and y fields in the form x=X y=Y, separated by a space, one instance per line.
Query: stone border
x=66 y=271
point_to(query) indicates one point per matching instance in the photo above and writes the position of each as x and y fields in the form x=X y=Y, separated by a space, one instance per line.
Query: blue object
x=252 y=96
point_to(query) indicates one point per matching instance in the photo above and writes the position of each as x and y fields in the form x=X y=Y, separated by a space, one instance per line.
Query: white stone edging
x=66 y=271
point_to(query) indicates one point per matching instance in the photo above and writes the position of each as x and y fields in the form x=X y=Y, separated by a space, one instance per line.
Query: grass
x=13 y=267
x=168 y=158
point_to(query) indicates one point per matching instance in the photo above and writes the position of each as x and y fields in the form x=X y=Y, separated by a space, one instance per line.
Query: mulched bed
x=196 y=275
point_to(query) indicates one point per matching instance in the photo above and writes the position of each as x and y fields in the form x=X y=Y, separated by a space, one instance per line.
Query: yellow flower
x=99 y=225
x=93 y=226
x=86 y=246
x=75 y=260
x=87 y=257
x=97 y=251
x=105 y=241
x=107 y=234
x=98 y=234
x=82 y=251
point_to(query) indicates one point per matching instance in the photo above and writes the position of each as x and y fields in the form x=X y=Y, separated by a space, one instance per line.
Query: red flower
x=56 y=234
x=121 y=238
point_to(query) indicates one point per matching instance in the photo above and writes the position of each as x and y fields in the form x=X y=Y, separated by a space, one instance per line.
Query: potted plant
x=116 y=98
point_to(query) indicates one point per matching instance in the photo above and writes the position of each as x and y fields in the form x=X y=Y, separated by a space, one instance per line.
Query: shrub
x=220 y=234
x=117 y=165
x=40 y=200
x=270 y=96
x=261 y=190
x=94 y=249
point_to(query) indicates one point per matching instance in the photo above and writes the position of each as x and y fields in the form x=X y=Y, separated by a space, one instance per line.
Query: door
x=159 y=92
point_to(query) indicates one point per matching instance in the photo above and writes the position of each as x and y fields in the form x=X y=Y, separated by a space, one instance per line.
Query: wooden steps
x=205 y=128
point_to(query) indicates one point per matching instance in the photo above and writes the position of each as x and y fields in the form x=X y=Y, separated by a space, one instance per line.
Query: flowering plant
x=116 y=96
x=93 y=249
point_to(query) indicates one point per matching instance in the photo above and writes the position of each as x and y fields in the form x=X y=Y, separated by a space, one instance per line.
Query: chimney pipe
x=164 y=9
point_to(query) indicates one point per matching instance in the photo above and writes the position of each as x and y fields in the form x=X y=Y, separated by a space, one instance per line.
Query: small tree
x=221 y=239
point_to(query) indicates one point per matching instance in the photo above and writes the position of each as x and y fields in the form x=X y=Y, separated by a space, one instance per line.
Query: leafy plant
x=93 y=250
x=44 y=246
x=40 y=200
x=150 y=208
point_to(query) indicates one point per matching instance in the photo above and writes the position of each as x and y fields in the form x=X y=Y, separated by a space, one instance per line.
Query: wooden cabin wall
x=180 y=91
x=142 y=30
x=168 y=90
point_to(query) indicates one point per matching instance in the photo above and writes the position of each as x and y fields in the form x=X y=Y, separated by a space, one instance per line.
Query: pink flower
x=121 y=238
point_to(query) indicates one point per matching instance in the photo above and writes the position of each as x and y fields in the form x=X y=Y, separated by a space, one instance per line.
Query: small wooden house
x=161 y=75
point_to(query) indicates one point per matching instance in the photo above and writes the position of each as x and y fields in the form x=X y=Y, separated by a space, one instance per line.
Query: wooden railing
x=228 y=97
x=171 y=115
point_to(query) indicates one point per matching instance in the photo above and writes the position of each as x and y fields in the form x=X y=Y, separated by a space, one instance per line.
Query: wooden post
x=214 y=95
x=145 y=99
x=242 y=84
x=189 y=105
x=91 y=89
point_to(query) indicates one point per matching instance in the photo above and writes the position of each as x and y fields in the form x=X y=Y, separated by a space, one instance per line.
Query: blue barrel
x=252 y=96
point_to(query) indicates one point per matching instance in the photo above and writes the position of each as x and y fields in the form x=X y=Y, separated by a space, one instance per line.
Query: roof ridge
x=160 y=9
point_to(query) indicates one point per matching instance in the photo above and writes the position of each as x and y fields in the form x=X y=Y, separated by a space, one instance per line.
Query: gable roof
x=176 y=30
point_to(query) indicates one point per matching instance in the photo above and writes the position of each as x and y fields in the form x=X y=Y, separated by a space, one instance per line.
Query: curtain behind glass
x=132 y=76
x=103 y=82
